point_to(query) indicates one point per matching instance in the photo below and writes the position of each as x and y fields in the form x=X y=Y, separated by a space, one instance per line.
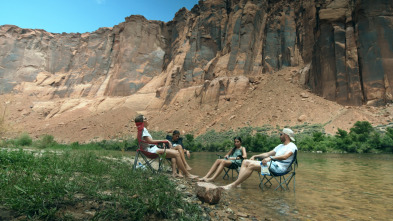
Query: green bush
x=46 y=141
x=362 y=138
x=24 y=140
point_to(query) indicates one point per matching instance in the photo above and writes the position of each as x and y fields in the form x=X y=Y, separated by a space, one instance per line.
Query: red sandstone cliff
x=220 y=50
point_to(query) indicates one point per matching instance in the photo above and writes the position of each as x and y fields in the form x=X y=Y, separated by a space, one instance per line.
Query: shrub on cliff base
x=46 y=141
x=24 y=140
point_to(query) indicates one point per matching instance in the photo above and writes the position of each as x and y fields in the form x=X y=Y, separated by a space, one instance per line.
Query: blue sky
x=81 y=16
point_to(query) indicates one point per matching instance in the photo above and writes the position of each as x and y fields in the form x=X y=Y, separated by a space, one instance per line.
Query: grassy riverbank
x=362 y=138
x=71 y=185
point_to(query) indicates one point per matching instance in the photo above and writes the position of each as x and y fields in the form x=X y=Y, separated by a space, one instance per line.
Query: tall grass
x=44 y=185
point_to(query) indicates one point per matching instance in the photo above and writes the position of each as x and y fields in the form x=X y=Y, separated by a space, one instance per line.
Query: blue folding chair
x=283 y=179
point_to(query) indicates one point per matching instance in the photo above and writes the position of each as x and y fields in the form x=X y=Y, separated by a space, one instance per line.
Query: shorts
x=152 y=149
x=275 y=167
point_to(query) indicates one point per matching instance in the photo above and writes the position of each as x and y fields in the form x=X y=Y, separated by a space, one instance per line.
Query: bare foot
x=203 y=179
x=209 y=180
x=189 y=168
x=179 y=175
x=188 y=154
x=192 y=176
x=227 y=187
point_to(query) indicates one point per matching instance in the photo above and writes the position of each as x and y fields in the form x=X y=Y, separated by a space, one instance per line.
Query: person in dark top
x=177 y=140
x=177 y=144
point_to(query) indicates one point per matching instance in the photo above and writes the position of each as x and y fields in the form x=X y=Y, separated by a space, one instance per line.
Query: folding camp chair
x=232 y=167
x=283 y=179
x=148 y=158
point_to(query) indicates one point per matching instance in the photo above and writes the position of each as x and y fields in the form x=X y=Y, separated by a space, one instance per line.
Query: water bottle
x=264 y=170
x=140 y=166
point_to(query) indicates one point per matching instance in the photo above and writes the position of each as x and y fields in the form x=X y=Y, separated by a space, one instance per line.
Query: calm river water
x=328 y=187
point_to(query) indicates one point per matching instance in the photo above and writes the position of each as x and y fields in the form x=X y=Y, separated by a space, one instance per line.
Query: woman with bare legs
x=233 y=156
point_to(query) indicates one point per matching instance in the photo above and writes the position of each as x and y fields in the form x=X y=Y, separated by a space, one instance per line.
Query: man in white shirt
x=283 y=152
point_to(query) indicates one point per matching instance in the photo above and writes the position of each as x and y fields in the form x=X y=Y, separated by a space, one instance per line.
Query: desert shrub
x=189 y=142
x=387 y=143
x=24 y=140
x=46 y=141
x=362 y=127
x=342 y=140
x=305 y=143
x=318 y=136
x=389 y=132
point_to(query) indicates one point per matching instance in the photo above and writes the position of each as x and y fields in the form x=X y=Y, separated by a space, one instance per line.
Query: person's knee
x=246 y=163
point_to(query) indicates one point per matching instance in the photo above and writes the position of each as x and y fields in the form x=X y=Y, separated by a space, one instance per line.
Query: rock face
x=216 y=49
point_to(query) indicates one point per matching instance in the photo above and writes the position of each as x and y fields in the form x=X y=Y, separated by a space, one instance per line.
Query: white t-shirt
x=281 y=150
x=146 y=146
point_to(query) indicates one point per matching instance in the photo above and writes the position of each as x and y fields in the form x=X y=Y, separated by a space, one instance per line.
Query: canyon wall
x=343 y=49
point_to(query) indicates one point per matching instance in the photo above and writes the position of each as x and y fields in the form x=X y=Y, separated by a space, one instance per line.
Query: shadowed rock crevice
x=346 y=44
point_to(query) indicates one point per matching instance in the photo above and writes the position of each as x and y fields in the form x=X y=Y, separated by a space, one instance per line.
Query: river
x=328 y=187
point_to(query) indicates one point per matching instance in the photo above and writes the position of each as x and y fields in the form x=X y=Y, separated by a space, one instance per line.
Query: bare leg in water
x=246 y=170
x=217 y=168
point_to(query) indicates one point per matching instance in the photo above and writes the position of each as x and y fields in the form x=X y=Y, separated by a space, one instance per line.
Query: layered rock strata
x=216 y=49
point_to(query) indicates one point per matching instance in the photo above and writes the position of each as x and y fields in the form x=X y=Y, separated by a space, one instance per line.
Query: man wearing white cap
x=283 y=153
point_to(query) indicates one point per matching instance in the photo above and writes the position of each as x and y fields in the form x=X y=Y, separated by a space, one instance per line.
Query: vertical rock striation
x=213 y=50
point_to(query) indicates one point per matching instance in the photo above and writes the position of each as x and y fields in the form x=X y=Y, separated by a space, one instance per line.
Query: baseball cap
x=290 y=133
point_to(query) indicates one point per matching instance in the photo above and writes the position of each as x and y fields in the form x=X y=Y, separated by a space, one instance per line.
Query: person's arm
x=244 y=153
x=274 y=158
x=264 y=155
x=151 y=141
x=282 y=157
x=227 y=155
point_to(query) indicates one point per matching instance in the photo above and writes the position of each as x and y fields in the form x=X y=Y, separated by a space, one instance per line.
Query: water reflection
x=328 y=186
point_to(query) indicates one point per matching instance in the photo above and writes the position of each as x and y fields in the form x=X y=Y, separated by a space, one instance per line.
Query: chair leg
x=262 y=182
x=226 y=175
x=135 y=160
x=148 y=163
x=294 y=179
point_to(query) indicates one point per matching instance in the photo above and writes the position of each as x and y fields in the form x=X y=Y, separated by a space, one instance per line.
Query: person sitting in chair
x=177 y=140
x=170 y=153
x=233 y=156
x=283 y=153
x=177 y=144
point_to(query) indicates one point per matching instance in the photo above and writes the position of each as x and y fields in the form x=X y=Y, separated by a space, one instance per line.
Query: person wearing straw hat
x=283 y=152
